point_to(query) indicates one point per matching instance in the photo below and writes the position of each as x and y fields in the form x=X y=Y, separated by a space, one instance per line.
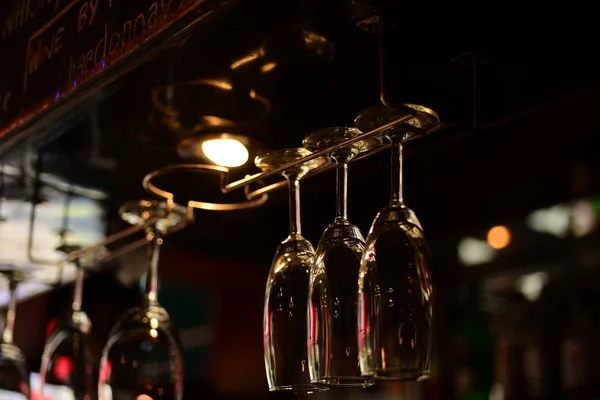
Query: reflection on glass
x=395 y=290
x=284 y=322
x=143 y=356
x=332 y=320
x=194 y=108
x=51 y=392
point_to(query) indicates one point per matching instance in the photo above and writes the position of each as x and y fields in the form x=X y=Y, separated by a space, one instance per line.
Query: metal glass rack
x=254 y=198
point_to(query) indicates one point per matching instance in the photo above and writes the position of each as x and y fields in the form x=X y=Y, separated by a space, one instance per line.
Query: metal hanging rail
x=260 y=196
x=325 y=152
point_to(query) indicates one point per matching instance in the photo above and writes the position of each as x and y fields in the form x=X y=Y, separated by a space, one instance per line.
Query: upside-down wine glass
x=143 y=356
x=332 y=320
x=284 y=321
x=14 y=374
x=395 y=291
x=68 y=357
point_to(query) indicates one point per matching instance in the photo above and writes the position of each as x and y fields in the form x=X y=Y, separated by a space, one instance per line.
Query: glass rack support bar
x=325 y=152
x=125 y=233
x=119 y=251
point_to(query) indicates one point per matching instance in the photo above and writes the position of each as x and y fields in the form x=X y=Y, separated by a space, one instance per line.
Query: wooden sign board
x=50 y=48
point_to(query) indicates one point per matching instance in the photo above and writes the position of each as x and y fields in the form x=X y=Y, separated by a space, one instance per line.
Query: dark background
x=516 y=86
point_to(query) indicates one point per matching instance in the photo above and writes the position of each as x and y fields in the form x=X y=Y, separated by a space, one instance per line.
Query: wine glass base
x=345 y=381
x=299 y=389
x=139 y=212
x=400 y=374
x=325 y=138
x=423 y=120
x=275 y=159
x=14 y=273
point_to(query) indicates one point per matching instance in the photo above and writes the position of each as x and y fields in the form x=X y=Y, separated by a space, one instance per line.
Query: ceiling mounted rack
x=259 y=196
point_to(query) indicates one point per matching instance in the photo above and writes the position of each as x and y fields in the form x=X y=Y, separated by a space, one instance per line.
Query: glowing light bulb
x=226 y=152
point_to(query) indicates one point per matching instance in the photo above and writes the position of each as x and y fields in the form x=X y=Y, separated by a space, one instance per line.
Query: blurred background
x=507 y=189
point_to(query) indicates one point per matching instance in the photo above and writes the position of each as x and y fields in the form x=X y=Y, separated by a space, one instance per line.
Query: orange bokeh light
x=499 y=237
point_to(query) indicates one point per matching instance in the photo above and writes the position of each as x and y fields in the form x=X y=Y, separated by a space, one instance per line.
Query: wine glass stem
x=154 y=243
x=78 y=290
x=8 y=333
x=397 y=194
x=342 y=192
x=294 y=191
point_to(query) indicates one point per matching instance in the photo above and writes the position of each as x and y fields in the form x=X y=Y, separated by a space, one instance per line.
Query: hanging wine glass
x=14 y=374
x=143 y=356
x=284 y=322
x=332 y=320
x=395 y=291
x=68 y=358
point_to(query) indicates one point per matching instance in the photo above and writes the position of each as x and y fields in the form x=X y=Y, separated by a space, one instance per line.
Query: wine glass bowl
x=285 y=317
x=68 y=359
x=395 y=299
x=143 y=356
x=14 y=377
x=423 y=120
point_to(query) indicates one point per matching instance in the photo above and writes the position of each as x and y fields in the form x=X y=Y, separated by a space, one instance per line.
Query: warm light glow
x=153 y=333
x=63 y=368
x=498 y=237
x=268 y=67
x=144 y=397
x=245 y=60
x=220 y=84
x=226 y=152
